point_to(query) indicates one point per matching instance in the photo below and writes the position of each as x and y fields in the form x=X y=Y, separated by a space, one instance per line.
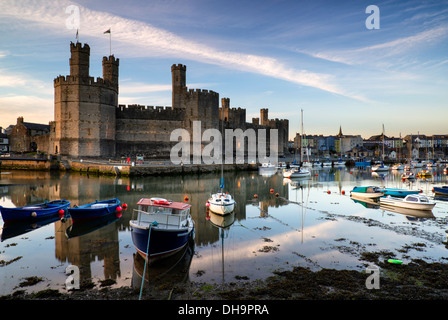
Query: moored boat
x=296 y=173
x=35 y=211
x=441 y=191
x=398 y=166
x=221 y=203
x=95 y=209
x=380 y=168
x=399 y=192
x=162 y=227
x=370 y=192
x=424 y=174
x=413 y=201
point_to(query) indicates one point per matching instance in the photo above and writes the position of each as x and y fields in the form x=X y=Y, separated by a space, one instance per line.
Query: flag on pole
x=110 y=40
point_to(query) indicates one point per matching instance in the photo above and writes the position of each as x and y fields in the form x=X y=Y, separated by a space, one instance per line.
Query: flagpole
x=110 y=41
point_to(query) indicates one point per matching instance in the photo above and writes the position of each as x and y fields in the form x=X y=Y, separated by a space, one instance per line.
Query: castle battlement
x=202 y=92
x=111 y=59
x=137 y=111
x=88 y=81
x=79 y=47
x=179 y=67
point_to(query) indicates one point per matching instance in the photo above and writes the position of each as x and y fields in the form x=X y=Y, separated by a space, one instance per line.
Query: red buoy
x=118 y=209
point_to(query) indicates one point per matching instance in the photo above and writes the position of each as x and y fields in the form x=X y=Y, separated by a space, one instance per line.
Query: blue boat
x=441 y=191
x=95 y=209
x=399 y=192
x=35 y=211
x=162 y=228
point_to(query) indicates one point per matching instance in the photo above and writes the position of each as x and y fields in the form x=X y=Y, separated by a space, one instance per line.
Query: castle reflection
x=82 y=243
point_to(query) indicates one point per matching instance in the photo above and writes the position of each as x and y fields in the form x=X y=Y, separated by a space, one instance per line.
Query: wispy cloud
x=378 y=52
x=146 y=40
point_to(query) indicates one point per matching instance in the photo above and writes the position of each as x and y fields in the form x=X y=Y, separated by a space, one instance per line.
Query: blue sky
x=283 y=55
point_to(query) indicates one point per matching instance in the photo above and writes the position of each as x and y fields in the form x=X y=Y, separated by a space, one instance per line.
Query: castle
x=88 y=122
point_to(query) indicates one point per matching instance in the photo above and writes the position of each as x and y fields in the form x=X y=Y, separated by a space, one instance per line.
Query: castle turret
x=264 y=117
x=178 y=73
x=110 y=70
x=79 y=60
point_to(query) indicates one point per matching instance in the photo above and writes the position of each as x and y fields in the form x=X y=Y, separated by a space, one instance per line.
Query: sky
x=320 y=56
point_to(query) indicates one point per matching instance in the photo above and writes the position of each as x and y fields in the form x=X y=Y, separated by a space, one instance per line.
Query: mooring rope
x=146 y=259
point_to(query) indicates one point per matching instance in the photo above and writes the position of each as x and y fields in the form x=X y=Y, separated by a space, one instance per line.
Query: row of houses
x=354 y=146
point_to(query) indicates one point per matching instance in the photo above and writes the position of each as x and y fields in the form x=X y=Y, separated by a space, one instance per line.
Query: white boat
x=317 y=164
x=267 y=169
x=380 y=168
x=326 y=164
x=307 y=164
x=369 y=192
x=267 y=165
x=281 y=165
x=398 y=166
x=221 y=203
x=339 y=163
x=412 y=201
x=296 y=173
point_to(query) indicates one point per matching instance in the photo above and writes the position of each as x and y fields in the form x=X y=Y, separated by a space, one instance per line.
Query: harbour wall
x=117 y=169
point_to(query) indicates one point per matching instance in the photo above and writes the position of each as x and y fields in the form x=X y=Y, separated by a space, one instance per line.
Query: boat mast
x=301 y=135
x=222 y=162
x=383 y=142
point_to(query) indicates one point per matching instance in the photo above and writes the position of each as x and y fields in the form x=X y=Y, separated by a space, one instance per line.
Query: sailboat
x=221 y=202
x=297 y=172
x=381 y=167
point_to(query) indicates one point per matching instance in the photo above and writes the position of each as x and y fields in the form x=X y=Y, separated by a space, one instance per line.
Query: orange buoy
x=125 y=206
x=276 y=194
x=343 y=192
x=272 y=190
x=328 y=191
x=186 y=198
x=255 y=195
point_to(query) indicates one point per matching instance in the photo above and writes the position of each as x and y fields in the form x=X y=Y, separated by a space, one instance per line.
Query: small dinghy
x=95 y=209
x=35 y=211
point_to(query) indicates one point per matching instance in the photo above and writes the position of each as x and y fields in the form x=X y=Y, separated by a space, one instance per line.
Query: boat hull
x=162 y=242
x=407 y=205
x=399 y=192
x=34 y=212
x=367 y=195
x=222 y=208
x=94 y=210
x=442 y=191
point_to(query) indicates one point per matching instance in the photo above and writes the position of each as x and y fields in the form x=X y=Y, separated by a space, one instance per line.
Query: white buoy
x=34 y=214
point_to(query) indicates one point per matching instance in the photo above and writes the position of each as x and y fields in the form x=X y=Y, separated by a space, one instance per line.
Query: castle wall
x=146 y=130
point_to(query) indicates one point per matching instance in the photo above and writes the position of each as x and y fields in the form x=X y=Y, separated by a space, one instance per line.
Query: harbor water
x=277 y=224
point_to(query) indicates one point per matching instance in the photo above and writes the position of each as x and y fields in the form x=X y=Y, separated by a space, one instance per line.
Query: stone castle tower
x=84 y=108
x=88 y=122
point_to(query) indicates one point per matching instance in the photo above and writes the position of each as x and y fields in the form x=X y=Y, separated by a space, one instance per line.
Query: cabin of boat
x=167 y=214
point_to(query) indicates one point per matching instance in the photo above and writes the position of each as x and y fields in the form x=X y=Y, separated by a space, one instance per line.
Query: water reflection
x=296 y=222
